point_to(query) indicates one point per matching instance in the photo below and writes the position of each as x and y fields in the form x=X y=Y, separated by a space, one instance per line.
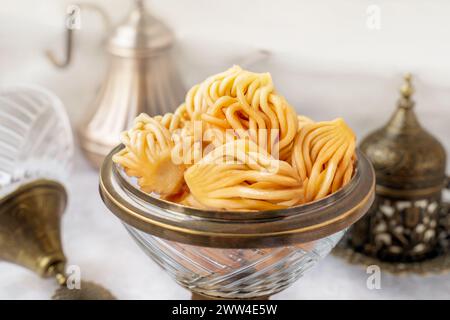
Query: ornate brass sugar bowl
x=142 y=77
x=407 y=220
x=235 y=255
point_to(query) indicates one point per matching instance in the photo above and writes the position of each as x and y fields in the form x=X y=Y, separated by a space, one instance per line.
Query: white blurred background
x=326 y=58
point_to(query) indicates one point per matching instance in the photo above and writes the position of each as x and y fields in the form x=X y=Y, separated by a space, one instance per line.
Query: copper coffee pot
x=141 y=77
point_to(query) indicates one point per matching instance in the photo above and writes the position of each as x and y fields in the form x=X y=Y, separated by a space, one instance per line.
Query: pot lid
x=405 y=156
x=139 y=34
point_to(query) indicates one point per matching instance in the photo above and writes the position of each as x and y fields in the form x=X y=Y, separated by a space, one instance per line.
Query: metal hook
x=73 y=22
x=68 y=56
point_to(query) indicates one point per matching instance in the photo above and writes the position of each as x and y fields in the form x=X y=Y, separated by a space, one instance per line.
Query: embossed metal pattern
x=404 y=155
x=399 y=229
x=439 y=264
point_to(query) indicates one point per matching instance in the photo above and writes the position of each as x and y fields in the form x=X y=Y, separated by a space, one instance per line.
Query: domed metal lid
x=405 y=156
x=140 y=34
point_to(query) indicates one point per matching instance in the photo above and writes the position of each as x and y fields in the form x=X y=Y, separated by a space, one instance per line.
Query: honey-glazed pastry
x=174 y=121
x=246 y=103
x=220 y=148
x=193 y=142
x=303 y=120
x=171 y=121
x=195 y=102
x=147 y=156
x=239 y=175
x=323 y=156
x=190 y=201
x=189 y=145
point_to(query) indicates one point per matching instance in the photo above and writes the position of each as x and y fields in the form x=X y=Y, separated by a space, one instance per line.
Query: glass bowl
x=235 y=255
x=35 y=137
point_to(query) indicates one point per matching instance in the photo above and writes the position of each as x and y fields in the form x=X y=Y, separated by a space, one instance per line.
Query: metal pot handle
x=73 y=22
x=446 y=188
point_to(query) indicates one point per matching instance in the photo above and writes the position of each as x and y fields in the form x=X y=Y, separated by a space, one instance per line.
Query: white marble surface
x=97 y=242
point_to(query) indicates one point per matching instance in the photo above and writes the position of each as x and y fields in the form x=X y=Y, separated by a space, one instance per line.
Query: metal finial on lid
x=407 y=89
x=140 y=34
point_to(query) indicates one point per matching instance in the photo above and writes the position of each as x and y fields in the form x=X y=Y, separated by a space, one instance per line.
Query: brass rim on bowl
x=227 y=229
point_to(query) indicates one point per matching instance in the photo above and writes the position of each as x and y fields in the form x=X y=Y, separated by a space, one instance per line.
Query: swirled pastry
x=323 y=156
x=303 y=120
x=170 y=121
x=236 y=144
x=197 y=102
x=247 y=104
x=240 y=175
x=147 y=156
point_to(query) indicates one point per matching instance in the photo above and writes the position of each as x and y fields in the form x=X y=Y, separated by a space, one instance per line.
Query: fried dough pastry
x=147 y=156
x=323 y=156
x=240 y=175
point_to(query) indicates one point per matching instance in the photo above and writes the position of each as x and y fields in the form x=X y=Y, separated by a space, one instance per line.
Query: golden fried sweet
x=303 y=120
x=239 y=175
x=236 y=144
x=147 y=156
x=174 y=121
x=323 y=156
x=246 y=103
